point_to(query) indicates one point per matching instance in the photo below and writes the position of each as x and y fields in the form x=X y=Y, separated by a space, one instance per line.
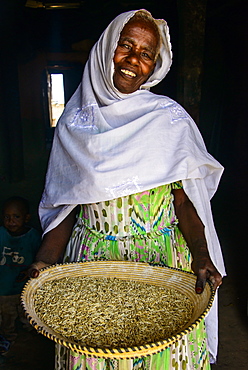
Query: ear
x=27 y=218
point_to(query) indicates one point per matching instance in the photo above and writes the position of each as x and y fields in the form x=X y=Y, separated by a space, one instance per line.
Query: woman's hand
x=204 y=269
x=52 y=247
x=193 y=231
x=32 y=271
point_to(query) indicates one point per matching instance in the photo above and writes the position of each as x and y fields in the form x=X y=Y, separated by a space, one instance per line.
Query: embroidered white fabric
x=108 y=144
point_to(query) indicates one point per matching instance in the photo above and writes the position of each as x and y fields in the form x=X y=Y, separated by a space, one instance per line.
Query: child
x=18 y=246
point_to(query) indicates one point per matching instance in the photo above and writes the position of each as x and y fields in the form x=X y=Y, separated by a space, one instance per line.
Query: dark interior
x=208 y=77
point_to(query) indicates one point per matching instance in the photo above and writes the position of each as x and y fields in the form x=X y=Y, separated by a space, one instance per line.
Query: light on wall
x=54 y=4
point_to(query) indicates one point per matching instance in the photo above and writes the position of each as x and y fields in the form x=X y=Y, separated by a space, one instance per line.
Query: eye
x=126 y=46
x=147 y=56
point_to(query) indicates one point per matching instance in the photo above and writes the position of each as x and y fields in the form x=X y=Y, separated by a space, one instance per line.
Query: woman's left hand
x=204 y=269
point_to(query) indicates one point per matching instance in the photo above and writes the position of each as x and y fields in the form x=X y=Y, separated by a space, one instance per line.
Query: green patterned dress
x=140 y=227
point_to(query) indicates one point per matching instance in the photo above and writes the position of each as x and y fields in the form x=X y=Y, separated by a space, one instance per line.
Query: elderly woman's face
x=134 y=58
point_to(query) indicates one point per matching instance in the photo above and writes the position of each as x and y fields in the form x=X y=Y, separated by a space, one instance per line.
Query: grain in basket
x=111 y=312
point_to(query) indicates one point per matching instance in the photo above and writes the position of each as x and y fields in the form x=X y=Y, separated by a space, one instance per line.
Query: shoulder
x=160 y=98
x=34 y=232
x=5 y=237
x=3 y=231
x=176 y=111
x=32 y=238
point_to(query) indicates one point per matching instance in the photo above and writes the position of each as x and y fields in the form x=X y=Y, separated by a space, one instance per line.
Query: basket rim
x=122 y=352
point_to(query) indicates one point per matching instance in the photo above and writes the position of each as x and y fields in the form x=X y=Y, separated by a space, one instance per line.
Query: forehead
x=144 y=27
x=14 y=207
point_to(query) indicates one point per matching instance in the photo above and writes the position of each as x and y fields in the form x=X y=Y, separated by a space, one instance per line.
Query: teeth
x=129 y=73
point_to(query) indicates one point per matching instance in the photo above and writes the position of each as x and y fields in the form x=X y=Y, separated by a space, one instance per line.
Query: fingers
x=34 y=273
x=216 y=280
x=200 y=281
x=205 y=270
x=34 y=269
x=26 y=274
x=39 y=265
x=203 y=275
x=199 y=268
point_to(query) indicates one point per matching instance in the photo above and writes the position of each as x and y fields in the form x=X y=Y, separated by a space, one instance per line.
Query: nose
x=10 y=220
x=133 y=57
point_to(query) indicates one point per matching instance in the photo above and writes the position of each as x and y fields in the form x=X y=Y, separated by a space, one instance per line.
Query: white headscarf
x=108 y=144
x=94 y=129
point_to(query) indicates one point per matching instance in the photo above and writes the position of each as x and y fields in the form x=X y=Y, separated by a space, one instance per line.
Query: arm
x=53 y=244
x=193 y=231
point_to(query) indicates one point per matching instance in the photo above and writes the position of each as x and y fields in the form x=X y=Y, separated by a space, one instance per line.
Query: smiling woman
x=135 y=55
x=129 y=178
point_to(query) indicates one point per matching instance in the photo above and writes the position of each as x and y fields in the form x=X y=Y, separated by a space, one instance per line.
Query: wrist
x=199 y=249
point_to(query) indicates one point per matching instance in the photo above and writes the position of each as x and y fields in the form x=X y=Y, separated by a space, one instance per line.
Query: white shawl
x=108 y=144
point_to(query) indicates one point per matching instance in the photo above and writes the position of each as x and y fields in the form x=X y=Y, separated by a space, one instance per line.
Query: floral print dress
x=140 y=227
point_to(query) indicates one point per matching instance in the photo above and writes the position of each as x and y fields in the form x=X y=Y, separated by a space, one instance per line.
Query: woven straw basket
x=157 y=275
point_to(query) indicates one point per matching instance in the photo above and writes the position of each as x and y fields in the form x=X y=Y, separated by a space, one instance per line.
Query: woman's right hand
x=53 y=245
x=34 y=269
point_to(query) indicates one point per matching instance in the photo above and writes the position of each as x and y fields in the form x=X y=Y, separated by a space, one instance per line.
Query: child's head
x=16 y=215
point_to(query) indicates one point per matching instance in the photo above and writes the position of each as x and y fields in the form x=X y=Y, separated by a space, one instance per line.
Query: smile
x=128 y=73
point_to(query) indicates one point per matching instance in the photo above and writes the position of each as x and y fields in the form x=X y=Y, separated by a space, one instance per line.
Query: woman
x=129 y=178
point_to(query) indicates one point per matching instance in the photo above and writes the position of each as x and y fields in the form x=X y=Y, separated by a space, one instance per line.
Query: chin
x=125 y=87
x=125 y=90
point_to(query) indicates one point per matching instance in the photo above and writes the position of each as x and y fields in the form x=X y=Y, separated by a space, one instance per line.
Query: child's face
x=15 y=218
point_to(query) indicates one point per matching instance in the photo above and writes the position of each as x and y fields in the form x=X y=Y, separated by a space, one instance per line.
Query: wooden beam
x=192 y=19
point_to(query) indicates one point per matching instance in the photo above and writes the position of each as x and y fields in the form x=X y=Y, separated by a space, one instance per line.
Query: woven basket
x=157 y=275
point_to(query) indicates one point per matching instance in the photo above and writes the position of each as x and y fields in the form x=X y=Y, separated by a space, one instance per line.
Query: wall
x=34 y=126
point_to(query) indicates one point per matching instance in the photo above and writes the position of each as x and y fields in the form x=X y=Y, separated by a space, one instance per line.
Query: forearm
x=55 y=241
x=191 y=227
